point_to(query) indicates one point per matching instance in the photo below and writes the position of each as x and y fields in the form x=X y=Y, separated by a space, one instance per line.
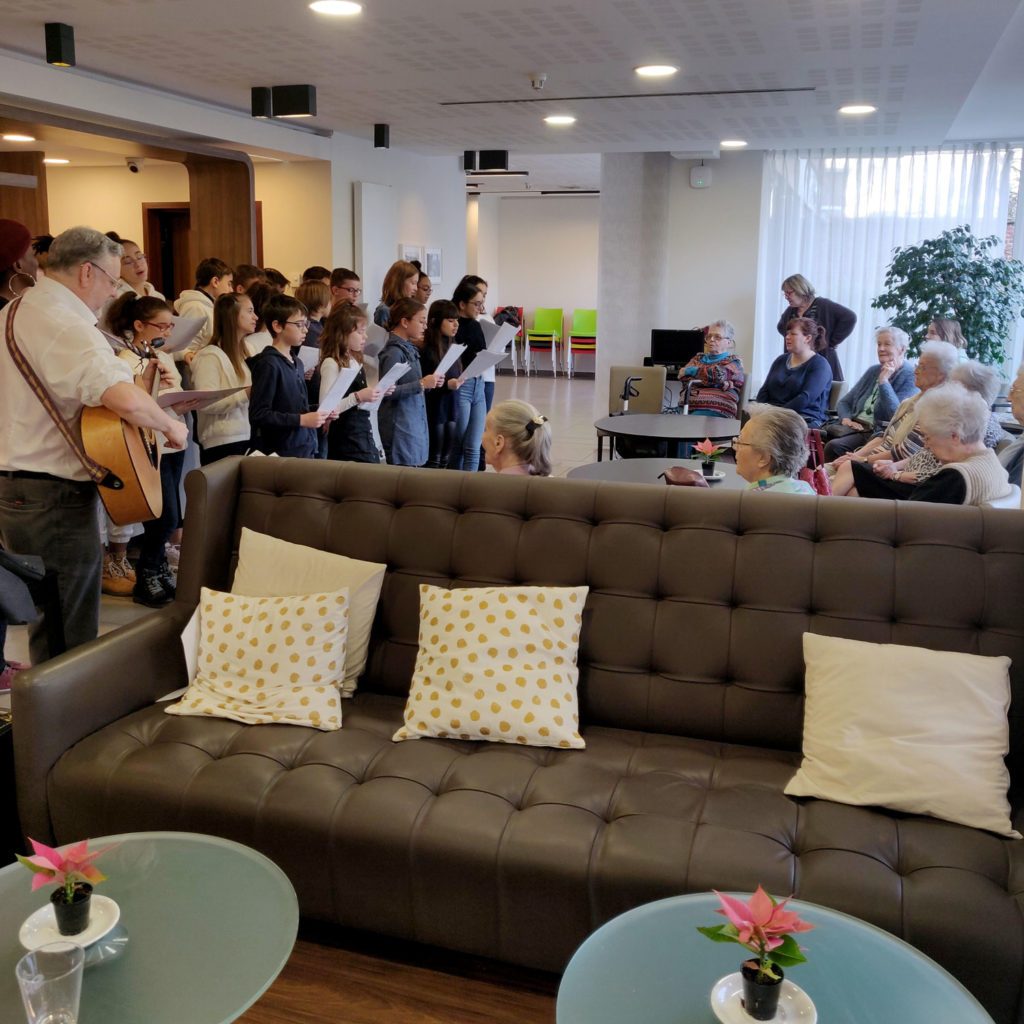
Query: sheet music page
x=453 y=353
x=169 y=399
x=333 y=398
x=393 y=376
x=483 y=362
x=185 y=329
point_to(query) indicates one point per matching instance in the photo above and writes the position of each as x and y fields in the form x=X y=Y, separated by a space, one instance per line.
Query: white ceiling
x=935 y=68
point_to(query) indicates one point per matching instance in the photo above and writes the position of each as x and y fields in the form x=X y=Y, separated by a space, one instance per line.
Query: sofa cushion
x=497 y=664
x=907 y=728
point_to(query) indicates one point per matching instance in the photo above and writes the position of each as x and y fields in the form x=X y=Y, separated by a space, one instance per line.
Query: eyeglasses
x=479 y=305
x=351 y=289
x=298 y=323
x=162 y=327
x=113 y=280
x=141 y=258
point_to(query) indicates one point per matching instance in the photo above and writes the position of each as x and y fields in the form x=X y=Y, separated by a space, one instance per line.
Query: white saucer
x=717 y=475
x=795 y=1006
x=41 y=927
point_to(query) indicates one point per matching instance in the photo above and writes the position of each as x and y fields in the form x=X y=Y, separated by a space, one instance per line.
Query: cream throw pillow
x=268 y=567
x=908 y=729
x=498 y=664
x=269 y=659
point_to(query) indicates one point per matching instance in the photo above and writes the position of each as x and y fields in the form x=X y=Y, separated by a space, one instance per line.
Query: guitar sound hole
x=149 y=443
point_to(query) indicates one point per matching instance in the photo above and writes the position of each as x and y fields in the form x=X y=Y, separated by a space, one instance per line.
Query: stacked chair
x=582 y=337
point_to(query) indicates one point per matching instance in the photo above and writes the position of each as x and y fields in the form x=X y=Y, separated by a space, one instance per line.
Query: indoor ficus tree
x=958 y=277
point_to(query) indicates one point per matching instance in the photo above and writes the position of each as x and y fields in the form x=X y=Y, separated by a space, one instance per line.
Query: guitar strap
x=98 y=474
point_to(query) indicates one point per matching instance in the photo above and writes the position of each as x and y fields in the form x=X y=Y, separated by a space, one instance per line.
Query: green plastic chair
x=545 y=336
x=582 y=337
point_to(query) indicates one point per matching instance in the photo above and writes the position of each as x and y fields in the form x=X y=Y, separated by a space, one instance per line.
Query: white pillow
x=269 y=659
x=497 y=664
x=268 y=567
x=906 y=728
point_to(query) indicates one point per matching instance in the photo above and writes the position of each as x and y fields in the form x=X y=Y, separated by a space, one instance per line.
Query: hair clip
x=532 y=425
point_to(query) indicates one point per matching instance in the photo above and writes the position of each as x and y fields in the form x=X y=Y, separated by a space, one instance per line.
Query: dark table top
x=668 y=426
x=647 y=471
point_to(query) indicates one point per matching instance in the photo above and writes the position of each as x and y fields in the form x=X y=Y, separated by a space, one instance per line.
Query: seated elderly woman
x=771 y=450
x=713 y=380
x=899 y=441
x=871 y=403
x=517 y=439
x=952 y=421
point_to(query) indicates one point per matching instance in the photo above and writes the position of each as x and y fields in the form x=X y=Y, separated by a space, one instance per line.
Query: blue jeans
x=488 y=402
x=470 y=413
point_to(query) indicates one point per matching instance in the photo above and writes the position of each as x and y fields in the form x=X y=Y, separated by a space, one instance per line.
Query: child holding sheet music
x=471 y=403
x=350 y=436
x=279 y=414
x=442 y=325
x=403 y=413
x=223 y=427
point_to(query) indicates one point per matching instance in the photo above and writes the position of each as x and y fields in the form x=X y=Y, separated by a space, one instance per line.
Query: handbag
x=814 y=472
x=681 y=476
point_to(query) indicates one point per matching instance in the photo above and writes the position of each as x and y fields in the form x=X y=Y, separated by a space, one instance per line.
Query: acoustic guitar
x=131 y=493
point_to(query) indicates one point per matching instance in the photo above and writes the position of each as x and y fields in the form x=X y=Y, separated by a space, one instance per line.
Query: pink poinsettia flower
x=707 y=448
x=51 y=867
x=760 y=920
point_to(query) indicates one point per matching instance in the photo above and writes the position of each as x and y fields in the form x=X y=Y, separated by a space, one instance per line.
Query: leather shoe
x=149 y=590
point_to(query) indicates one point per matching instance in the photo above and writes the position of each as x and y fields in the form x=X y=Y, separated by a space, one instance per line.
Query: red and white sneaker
x=7 y=676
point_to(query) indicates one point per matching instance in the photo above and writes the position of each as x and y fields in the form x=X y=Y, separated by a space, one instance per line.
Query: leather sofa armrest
x=60 y=702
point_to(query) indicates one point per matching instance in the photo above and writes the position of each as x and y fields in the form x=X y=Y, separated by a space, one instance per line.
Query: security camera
x=538 y=79
x=135 y=163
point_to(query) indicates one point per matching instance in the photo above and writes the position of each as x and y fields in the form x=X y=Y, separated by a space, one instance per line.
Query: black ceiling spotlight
x=261 y=102
x=60 y=44
x=381 y=136
x=293 y=100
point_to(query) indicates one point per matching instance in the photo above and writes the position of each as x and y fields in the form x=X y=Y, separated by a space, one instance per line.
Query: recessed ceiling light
x=19 y=138
x=656 y=70
x=560 y=119
x=857 y=108
x=338 y=8
x=55 y=160
x=733 y=143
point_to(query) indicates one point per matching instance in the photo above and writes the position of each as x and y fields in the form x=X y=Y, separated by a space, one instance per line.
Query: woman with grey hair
x=1012 y=457
x=517 y=439
x=952 y=421
x=985 y=381
x=872 y=402
x=713 y=380
x=900 y=440
x=772 y=449
x=837 y=320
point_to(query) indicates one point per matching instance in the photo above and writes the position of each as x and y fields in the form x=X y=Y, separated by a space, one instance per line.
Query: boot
x=128 y=569
x=115 y=582
x=167 y=580
x=149 y=590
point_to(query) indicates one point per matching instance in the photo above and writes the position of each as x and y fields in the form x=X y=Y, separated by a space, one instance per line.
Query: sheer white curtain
x=835 y=216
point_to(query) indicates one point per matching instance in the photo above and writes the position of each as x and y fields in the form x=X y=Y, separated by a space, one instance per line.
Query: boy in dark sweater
x=282 y=423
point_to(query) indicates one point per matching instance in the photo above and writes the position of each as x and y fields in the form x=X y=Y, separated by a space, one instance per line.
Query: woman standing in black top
x=837 y=320
x=442 y=326
x=470 y=402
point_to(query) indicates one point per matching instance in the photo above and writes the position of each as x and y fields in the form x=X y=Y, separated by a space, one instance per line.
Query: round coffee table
x=667 y=427
x=648 y=471
x=206 y=925
x=651 y=964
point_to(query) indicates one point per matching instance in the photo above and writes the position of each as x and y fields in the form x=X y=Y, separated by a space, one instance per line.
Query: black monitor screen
x=675 y=348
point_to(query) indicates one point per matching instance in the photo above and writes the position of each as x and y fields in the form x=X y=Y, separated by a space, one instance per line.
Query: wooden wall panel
x=27 y=205
x=222 y=203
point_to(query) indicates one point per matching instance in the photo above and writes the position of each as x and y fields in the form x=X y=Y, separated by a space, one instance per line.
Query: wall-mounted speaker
x=381 y=136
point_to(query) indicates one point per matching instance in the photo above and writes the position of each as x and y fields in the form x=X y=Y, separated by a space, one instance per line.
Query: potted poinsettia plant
x=74 y=873
x=709 y=453
x=766 y=928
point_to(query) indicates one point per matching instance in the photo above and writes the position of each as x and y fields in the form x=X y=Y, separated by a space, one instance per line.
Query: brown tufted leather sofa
x=691 y=679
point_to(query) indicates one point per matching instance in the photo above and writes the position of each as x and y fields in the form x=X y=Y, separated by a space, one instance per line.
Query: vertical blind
x=835 y=216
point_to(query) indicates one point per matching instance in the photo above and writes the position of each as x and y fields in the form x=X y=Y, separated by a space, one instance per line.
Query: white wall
x=111 y=198
x=712 y=248
x=483 y=244
x=547 y=254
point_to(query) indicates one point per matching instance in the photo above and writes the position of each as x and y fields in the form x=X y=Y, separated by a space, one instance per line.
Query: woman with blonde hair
x=517 y=439
x=400 y=282
x=837 y=320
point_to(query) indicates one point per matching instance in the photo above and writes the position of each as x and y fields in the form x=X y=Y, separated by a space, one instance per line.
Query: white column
x=633 y=258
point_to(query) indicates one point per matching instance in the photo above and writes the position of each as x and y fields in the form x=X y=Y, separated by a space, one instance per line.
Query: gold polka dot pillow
x=269 y=659
x=497 y=664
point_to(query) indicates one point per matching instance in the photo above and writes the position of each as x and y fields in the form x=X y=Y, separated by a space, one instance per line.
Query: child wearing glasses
x=279 y=414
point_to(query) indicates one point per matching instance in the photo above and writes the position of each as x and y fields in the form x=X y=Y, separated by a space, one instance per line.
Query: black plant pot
x=73 y=917
x=707 y=468
x=760 y=998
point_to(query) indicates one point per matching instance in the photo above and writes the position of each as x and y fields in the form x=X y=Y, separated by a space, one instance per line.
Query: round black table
x=667 y=427
x=647 y=471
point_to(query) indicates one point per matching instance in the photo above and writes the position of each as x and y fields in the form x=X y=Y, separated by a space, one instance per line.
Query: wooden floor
x=361 y=979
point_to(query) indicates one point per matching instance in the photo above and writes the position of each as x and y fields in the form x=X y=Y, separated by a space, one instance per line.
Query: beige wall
x=296 y=200
x=111 y=198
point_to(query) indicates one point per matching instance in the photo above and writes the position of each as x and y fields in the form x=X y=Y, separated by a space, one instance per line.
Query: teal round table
x=206 y=925
x=652 y=965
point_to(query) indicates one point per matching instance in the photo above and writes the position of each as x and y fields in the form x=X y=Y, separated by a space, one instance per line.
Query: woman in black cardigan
x=837 y=320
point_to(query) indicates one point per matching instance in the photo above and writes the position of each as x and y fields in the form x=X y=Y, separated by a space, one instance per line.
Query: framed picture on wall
x=432 y=266
x=410 y=252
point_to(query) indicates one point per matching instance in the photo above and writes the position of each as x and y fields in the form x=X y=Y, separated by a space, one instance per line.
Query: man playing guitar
x=54 y=362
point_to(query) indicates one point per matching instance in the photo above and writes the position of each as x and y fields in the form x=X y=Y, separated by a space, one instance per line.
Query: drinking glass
x=50 y=979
